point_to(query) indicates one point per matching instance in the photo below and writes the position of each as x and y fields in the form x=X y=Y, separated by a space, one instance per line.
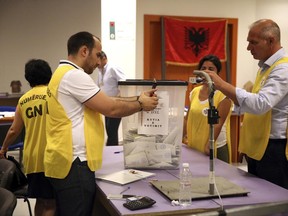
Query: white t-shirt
x=75 y=88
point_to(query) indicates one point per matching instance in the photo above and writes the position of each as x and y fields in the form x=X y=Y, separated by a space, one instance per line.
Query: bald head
x=266 y=29
x=263 y=39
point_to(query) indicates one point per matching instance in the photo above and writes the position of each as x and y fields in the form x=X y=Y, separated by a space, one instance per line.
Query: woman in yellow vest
x=31 y=113
x=196 y=127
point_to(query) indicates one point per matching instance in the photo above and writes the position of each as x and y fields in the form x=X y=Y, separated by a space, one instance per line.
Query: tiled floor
x=22 y=207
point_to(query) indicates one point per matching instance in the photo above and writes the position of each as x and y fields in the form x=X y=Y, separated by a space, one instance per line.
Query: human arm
x=119 y=106
x=77 y=86
x=185 y=121
x=270 y=94
x=223 y=86
x=12 y=133
x=184 y=138
x=223 y=109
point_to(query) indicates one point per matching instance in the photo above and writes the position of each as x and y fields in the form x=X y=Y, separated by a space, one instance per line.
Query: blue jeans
x=75 y=193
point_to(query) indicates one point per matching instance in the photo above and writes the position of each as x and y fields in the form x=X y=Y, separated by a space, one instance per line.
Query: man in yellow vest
x=263 y=135
x=75 y=133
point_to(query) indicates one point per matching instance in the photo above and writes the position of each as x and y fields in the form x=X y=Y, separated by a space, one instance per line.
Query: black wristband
x=140 y=103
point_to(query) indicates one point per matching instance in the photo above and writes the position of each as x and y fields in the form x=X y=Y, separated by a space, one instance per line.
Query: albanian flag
x=186 y=42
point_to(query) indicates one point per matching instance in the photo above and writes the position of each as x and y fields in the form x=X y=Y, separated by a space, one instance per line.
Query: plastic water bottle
x=185 y=190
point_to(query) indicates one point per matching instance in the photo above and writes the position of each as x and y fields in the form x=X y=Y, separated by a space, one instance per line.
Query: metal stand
x=213 y=118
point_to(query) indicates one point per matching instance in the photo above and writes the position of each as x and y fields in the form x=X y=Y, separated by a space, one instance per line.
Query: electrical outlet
x=192 y=80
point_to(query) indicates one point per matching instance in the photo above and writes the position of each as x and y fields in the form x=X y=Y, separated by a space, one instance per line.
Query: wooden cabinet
x=10 y=100
x=235 y=124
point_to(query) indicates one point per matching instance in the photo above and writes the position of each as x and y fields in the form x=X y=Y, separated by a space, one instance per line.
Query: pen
x=126 y=189
x=154 y=85
x=119 y=196
x=117 y=152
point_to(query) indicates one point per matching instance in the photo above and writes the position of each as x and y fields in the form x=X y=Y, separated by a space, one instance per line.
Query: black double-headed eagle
x=196 y=39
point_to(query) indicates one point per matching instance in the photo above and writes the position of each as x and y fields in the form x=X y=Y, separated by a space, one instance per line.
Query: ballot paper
x=124 y=176
x=4 y=114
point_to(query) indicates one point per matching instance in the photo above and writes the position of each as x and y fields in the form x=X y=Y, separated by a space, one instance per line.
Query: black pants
x=75 y=193
x=273 y=166
x=112 y=125
x=223 y=153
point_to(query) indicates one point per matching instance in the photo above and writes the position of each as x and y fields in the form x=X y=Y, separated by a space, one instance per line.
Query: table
x=10 y=99
x=261 y=191
x=5 y=124
x=6 y=120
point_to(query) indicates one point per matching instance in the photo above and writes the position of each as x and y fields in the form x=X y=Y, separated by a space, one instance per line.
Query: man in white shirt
x=263 y=136
x=108 y=77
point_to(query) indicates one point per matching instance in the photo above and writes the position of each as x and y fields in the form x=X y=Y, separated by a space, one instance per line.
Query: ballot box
x=152 y=140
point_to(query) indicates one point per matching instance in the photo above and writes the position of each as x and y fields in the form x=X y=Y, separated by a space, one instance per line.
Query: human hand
x=241 y=156
x=216 y=79
x=207 y=149
x=185 y=140
x=2 y=154
x=150 y=92
x=148 y=99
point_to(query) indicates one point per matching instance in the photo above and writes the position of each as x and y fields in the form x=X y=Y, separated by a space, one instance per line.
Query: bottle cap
x=185 y=165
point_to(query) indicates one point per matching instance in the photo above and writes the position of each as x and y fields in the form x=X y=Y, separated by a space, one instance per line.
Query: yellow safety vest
x=33 y=108
x=255 y=130
x=197 y=124
x=59 y=151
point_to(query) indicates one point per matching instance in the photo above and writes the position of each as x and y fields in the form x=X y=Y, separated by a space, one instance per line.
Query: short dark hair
x=80 y=39
x=102 y=55
x=212 y=58
x=37 y=72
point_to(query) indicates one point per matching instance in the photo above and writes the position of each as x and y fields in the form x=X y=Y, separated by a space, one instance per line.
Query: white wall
x=40 y=29
x=277 y=11
x=120 y=51
x=247 y=11
x=220 y=8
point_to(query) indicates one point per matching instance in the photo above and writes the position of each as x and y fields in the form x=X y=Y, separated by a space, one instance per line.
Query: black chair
x=8 y=202
x=7 y=170
x=9 y=177
x=4 y=127
x=18 y=144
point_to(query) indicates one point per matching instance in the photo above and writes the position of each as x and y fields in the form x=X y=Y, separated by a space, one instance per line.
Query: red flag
x=186 y=42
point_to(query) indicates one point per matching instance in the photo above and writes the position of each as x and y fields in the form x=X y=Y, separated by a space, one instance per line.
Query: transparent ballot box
x=152 y=140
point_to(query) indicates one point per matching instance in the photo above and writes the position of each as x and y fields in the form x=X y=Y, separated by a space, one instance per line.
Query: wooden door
x=152 y=52
x=152 y=62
